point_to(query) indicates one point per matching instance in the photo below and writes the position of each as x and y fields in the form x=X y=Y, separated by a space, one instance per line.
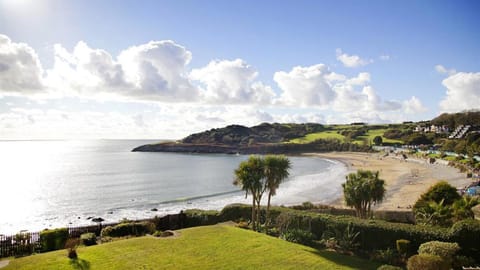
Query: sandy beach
x=405 y=180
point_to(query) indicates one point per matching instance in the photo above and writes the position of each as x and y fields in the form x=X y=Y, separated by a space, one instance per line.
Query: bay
x=49 y=184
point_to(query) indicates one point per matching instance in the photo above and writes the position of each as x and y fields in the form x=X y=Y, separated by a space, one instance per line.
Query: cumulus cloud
x=463 y=92
x=413 y=105
x=443 y=70
x=307 y=86
x=151 y=71
x=20 y=69
x=351 y=61
x=232 y=82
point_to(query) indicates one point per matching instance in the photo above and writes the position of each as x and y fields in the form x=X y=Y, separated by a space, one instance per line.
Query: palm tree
x=249 y=176
x=276 y=171
x=362 y=189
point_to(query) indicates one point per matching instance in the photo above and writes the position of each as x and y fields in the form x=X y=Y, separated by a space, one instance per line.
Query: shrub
x=467 y=234
x=442 y=249
x=157 y=233
x=389 y=256
x=298 y=236
x=127 y=229
x=402 y=246
x=427 y=262
x=460 y=261
x=389 y=267
x=53 y=239
x=438 y=192
x=71 y=246
x=196 y=217
x=88 y=239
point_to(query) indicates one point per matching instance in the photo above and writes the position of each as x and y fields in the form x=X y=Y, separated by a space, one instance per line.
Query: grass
x=372 y=133
x=333 y=134
x=209 y=247
x=329 y=134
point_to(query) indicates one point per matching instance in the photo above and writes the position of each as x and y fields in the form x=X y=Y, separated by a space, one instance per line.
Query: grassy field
x=333 y=134
x=329 y=134
x=210 y=247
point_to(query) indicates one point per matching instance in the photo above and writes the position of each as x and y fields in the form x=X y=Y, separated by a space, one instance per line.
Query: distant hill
x=263 y=133
x=453 y=120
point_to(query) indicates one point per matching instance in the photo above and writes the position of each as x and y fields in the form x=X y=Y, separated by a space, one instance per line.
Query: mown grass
x=329 y=134
x=209 y=247
x=372 y=133
x=333 y=134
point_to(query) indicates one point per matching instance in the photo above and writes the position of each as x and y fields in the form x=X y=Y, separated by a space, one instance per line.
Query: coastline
x=405 y=181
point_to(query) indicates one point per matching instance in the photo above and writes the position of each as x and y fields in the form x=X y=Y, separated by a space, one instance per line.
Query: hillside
x=290 y=138
x=209 y=247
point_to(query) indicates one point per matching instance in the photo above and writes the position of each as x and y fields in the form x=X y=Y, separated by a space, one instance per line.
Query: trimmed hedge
x=127 y=229
x=374 y=234
x=427 y=262
x=88 y=239
x=53 y=239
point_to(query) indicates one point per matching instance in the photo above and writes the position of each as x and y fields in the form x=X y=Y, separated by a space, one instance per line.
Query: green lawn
x=372 y=133
x=329 y=134
x=209 y=247
x=332 y=134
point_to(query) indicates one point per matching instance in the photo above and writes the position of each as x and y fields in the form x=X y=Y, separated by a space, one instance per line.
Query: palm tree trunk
x=267 y=215
x=253 y=213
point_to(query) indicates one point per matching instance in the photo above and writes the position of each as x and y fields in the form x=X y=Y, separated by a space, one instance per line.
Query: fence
x=26 y=243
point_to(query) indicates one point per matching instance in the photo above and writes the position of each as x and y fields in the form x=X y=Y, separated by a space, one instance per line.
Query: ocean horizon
x=60 y=183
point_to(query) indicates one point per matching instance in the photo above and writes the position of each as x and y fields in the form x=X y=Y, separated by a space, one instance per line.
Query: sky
x=85 y=69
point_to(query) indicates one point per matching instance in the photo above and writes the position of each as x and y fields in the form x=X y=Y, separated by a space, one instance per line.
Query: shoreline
x=405 y=180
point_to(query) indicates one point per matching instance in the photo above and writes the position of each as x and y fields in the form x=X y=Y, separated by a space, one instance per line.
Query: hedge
x=53 y=239
x=374 y=234
x=127 y=229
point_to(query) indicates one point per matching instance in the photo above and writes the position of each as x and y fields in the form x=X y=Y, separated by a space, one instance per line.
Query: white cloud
x=307 y=86
x=351 y=61
x=384 y=57
x=442 y=70
x=463 y=92
x=20 y=69
x=413 y=106
x=151 y=71
x=231 y=82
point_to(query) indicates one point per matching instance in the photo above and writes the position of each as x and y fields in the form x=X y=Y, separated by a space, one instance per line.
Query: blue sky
x=164 y=69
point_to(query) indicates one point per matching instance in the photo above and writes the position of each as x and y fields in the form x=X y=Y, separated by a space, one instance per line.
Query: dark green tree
x=249 y=176
x=361 y=190
x=378 y=140
x=276 y=171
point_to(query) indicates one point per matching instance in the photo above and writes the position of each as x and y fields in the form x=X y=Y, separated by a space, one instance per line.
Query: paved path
x=4 y=263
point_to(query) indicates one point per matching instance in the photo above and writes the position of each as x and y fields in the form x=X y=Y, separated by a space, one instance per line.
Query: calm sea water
x=47 y=184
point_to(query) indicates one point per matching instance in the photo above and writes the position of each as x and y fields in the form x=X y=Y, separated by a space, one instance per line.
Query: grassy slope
x=210 y=247
x=332 y=134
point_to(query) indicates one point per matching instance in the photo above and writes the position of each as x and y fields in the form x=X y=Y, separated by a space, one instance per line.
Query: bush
x=88 y=239
x=388 y=256
x=53 y=239
x=460 y=261
x=389 y=267
x=441 y=191
x=467 y=234
x=403 y=246
x=71 y=246
x=427 y=262
x=442 y=249
x=298 y=236
x=127 y=229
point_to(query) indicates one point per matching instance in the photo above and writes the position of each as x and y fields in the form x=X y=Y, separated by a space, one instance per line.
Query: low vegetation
x=210 y=247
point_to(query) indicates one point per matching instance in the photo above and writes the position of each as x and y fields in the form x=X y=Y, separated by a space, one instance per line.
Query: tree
x=378 y=140
x=438 y=192
x=361 y=189
x=276 y=171
x=250 y=177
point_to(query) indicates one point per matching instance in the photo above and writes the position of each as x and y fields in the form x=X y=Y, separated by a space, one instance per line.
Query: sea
x=51 y=184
